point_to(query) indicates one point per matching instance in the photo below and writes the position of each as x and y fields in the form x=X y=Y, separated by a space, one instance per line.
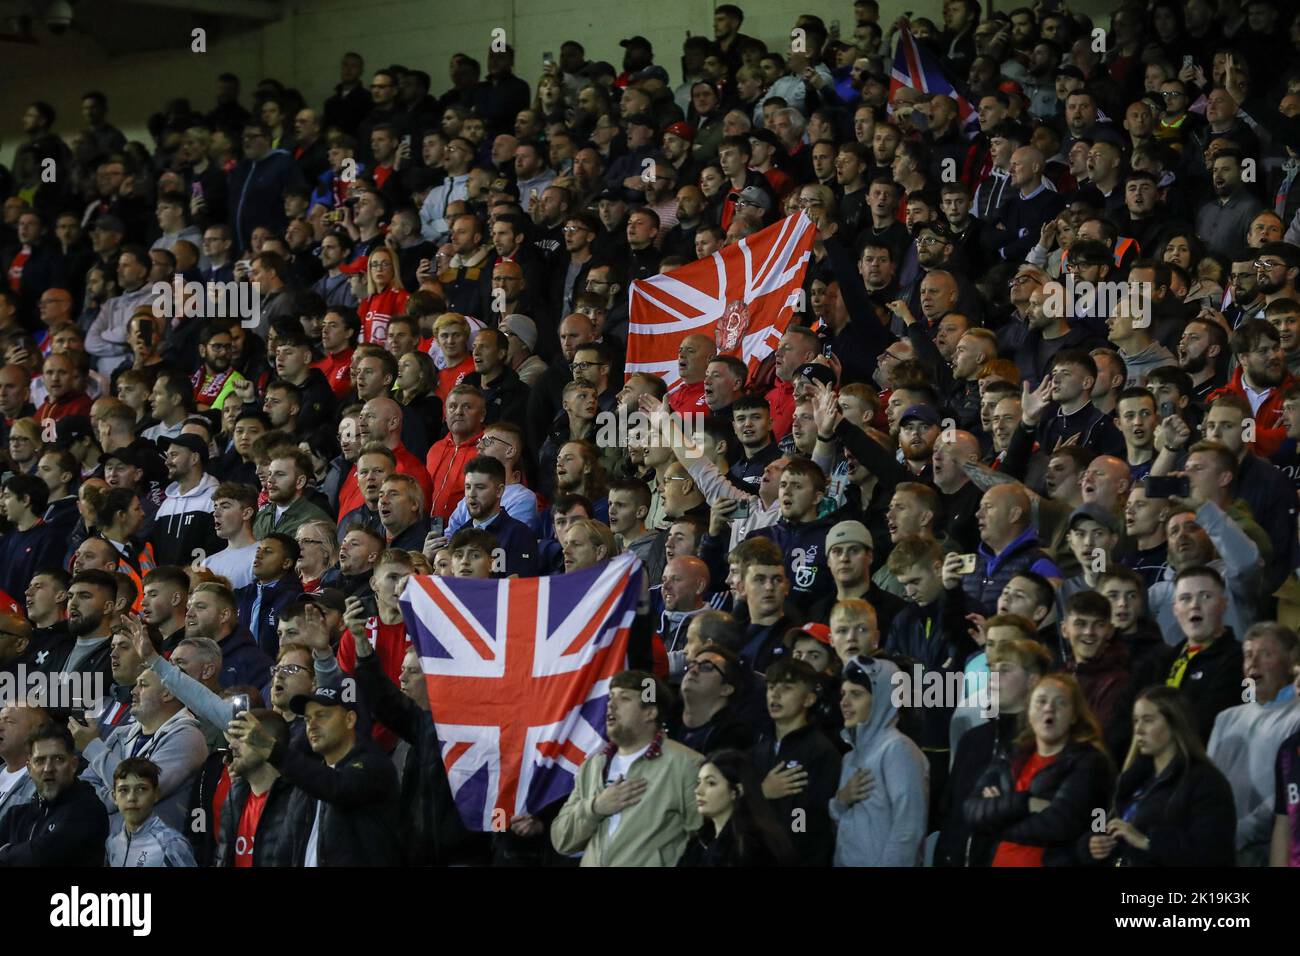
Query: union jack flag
x=743 y=295
x=518 y=674
x=915 y=66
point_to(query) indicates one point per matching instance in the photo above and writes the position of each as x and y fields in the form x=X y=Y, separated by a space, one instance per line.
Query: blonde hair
x=396 y=284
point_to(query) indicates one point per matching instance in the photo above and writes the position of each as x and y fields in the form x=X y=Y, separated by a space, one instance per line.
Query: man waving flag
x=743 y=295
x=518 y=674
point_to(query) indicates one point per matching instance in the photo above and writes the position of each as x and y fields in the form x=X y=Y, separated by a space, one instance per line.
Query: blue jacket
x=242 y=661
x=256 y=188
x=804 y=546
x=516 y=539
x=1014 y=229
x=23 y=553
x=275 y=598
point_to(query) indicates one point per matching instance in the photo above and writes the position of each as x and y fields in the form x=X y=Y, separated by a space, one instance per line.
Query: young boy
x=142 y=839
x=854 y=631
x=800 y=766
x=931 y=629
x=880 y=808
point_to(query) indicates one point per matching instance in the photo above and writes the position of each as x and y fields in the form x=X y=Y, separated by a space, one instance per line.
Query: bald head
x=1105 y=482
x=953 y=449
x=381 y=421
x=684 y=582
x=1026 y=168
x=575 y=330
x=694 y=355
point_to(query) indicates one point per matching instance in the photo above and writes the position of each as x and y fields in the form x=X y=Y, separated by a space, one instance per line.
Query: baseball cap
x=109 y=223
x=816 y=372
x=652 y=72
x=523 y=328
x=1071 y=71
x=755 y=197
x=597 y=68
x=331 y=598
x=127 y=456
x=923 y=412
x=821 y=633
x=72 y=428
x=189 y=442
x=636 y=41
x=849 y=532
x=330 y=696
x=356 y=266
x=642 y=119
x=1095 y=513
x=682 y=130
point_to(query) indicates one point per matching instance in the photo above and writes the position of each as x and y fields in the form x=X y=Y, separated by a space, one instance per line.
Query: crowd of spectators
x=999 y=542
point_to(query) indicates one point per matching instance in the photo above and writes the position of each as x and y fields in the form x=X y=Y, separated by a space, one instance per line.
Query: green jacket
x=652 y=832
x=297 y=515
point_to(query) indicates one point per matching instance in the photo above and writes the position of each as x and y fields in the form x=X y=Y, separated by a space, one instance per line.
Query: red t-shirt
x=688 y=399
x=376 y=310
x=449 y=378
x=336 y=367
x=16 y=270
x=390 y=644
x=1017 y=854
x=247 y=830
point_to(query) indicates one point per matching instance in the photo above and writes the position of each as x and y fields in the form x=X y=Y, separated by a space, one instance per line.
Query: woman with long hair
x=1038 y=807
x=385 y=296
x=740 y=827
x=1173 y=807
x=549 y=104
x=417 y=382
x=1181 y=247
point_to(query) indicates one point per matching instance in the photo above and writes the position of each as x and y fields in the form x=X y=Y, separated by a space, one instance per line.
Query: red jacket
x=337 y=371
x=407 y=464
x=446 y=463
x=1270 y=432
x=77 y=404
x=686 y=399
x=781 y=400
x=376 y=310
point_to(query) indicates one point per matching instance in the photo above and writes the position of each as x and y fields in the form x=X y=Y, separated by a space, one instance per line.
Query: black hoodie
x=70 y=830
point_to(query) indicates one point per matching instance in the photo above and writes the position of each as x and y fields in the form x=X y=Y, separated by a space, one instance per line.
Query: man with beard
x=215 y=379
x=615 y=817
x=485 y=483
x=1261 y=378
x=680 y=239
x=92 y=597
x=287 y=507
x=1221 y=222
x=183 y=526
x=66 y=824
x=1200 y=353
x=1276 y=271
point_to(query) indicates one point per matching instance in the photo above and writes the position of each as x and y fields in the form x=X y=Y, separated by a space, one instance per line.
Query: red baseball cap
x=682 y=130
x=821 y=633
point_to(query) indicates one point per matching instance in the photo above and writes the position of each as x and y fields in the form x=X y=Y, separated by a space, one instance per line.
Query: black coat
x=358 y=804
x=809 y=747
x=430 y=824
x=279 y=828
x=983 y=755
x=1187 y=813
x=723 y=850
x=70 y=830
x=1075 y=783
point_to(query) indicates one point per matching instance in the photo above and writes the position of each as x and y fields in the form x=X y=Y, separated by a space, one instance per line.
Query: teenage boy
x=142 y=839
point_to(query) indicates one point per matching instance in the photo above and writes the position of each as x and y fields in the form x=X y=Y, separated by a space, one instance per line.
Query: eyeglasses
x=930 y=241
x=316 y=541
x=288 y=670
x=704 y=667
x=1266 y=264
x=583 y=366
x=803 y=203
x=1020 y=280
x=570 y=230
x=1172 y=95
x=487 y=442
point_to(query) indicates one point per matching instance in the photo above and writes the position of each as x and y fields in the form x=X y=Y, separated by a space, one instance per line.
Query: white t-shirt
x=10 y=779
x=617 y=770
x=233 y=564
x=313 y=841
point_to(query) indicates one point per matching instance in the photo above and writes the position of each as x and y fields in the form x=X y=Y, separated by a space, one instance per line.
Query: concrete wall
x=303 y=48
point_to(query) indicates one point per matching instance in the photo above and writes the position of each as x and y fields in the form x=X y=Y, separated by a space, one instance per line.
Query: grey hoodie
x=888 y=827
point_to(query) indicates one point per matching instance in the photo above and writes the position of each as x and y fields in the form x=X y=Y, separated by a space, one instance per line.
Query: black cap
x=329 y=696
x=816 y=372
x=72 y=428
x=636 y=41
x=612 y=194
x=191 y=442
x=127 y=456
x=642 y=119
x=331 y=598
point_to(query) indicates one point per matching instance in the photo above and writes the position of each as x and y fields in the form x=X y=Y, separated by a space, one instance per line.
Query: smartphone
x=1188 y=60
x=967 y=565
x=741 y=511
x=548 y=58
x=244 y=265
x=1166 y=409
x=406 y=140
x=239 y=704
x=196 y=190
x=835 y=28
x=828 y=350
x=436 y=526
x=791 y=764
x=920 y=122
x=334 y=215
x=1167 y=486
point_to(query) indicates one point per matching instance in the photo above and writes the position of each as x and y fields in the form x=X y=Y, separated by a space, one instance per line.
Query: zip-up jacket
x=154 y=844
x=277 y=830
x=70 y=830
x=183 y=524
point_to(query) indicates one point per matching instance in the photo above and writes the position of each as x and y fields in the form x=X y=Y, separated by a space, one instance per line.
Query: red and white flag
x=743 y=295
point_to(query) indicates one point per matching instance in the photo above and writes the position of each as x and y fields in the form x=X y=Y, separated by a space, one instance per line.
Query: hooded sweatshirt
x=183 y=525
x=888 y=827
